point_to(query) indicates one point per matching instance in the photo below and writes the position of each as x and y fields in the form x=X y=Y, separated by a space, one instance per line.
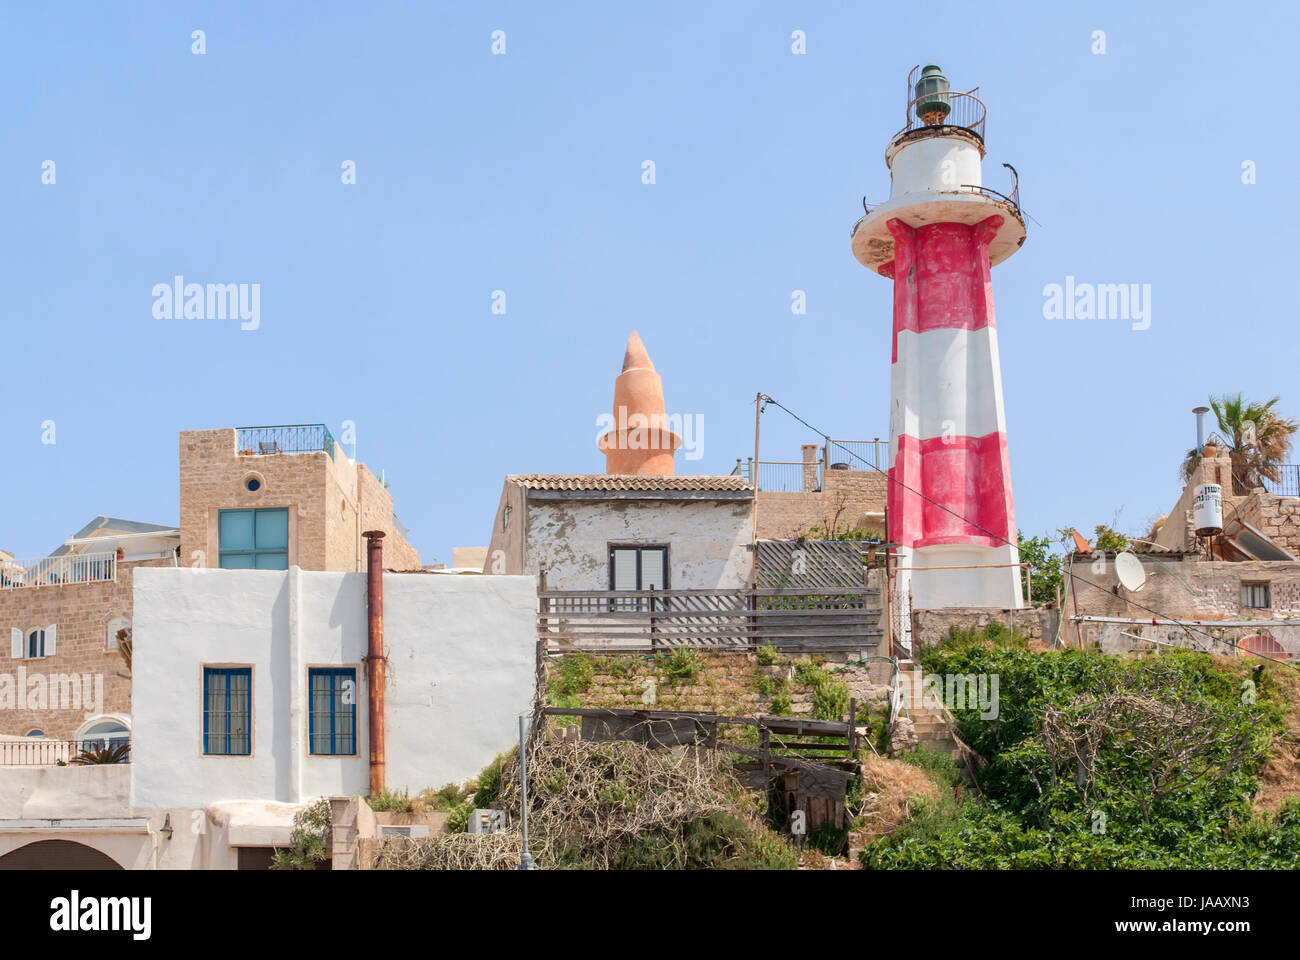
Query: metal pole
x=753 y=473
x=526 y=861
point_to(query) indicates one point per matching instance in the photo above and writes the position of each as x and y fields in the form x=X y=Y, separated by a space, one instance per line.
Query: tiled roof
x=624 y=482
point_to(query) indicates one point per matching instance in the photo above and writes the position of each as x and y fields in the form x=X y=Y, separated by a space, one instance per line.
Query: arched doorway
x=57 y=855
x=1264 y=645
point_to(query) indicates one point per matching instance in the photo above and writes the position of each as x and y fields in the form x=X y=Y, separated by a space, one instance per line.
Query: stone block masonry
x=332 y=501
x=82 y=612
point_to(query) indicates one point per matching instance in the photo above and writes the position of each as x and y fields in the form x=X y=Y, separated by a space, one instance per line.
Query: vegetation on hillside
x=1097 y=761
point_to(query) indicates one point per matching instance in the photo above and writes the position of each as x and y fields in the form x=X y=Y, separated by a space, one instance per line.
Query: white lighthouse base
x=962 y=575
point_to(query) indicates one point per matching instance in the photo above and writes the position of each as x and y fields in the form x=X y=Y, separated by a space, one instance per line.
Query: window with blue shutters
x=253 y=539
x=227 y=711
x=332 y=709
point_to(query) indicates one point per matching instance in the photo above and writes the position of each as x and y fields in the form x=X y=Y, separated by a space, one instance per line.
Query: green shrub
x=574 y=676
x=1174 y=755
x=768 y=656
x=782 y=705
x=682 y=666
x=306 y=850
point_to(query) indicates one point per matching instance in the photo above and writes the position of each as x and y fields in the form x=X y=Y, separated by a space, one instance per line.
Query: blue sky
x=522 y=173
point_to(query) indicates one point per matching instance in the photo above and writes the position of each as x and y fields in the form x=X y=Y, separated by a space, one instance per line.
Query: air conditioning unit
x=487 y=821
x=412 y=831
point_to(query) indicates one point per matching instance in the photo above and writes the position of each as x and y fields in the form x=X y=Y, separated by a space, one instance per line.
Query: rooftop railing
x=288 y=438
x=1288 y=482
x=58 y=571
x=797 y=476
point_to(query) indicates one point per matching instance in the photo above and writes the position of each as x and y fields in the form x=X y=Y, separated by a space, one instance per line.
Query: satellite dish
x=1128 y=569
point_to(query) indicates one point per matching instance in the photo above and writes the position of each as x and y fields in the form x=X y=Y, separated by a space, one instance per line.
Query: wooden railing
x=794 y=619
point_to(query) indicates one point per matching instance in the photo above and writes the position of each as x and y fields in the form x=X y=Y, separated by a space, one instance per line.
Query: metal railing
x=965 y=110
x=40 y=752
x=58 y=571
x=1288 y=482
x=796 y=476
x=858 y=454
x=785 y=476
x=289 y=438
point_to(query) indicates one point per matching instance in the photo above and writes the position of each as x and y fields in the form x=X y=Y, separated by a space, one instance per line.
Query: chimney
x=810 y=457
x=1200 y=426
x=375 y=659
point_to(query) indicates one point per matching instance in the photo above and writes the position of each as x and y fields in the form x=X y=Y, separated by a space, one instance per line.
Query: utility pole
x=753 y=473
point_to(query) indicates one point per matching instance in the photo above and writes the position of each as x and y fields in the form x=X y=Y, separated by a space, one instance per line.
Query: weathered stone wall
x=848 y=495
x=1188 y=589
x=82 y=613
x=734 y=684
x=931 y=627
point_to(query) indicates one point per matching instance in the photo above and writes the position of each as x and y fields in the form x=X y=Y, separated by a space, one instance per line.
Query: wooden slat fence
x=796 y=619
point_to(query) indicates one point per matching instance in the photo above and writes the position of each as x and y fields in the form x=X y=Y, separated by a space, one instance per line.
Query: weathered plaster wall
x=460 y=670
x=708 y=540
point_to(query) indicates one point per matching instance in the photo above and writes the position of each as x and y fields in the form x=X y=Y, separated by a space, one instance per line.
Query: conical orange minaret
x=640 y=442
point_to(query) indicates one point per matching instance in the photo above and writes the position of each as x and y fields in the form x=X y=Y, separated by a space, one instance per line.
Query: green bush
x=682 y=666
x=1131 y=804
x=574 y=676
x=306 y=850
x=769 y=656
x=782 y=706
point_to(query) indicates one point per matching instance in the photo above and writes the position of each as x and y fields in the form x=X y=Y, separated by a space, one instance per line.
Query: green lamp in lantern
x=931 y=94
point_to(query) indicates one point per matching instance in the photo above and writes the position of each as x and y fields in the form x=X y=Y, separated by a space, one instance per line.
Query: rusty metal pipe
x=375 y=659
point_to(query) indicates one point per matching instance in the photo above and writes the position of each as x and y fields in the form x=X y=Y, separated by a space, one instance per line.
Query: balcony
x=289 y=438
x=58 y=571
x=42 y=752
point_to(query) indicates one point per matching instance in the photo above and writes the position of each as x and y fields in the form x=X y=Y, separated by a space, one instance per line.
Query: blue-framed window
x=332 y=709
x=227 y=711
x=253 y=539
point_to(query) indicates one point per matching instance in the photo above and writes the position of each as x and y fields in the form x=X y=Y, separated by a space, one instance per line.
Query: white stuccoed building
x=251 y=700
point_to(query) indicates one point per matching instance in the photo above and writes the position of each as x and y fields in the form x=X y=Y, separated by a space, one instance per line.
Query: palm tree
x=1256 y=437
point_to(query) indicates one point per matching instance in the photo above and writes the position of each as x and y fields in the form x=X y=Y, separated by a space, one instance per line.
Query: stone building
x=65 y=677
x=283 y=497
x=1235 y=590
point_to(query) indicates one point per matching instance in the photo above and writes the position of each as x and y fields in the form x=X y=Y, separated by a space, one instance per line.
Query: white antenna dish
x=1128 y=569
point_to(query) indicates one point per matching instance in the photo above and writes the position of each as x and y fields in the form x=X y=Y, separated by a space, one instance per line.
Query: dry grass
x=587 y=802
x=1280 y=777
x=890 y=789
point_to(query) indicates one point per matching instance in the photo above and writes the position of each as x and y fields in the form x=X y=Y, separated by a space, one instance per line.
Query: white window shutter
x=16 y=643
x=50 y=633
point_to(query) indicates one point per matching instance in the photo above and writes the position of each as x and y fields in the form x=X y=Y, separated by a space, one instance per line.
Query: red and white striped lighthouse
x=949 y=498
